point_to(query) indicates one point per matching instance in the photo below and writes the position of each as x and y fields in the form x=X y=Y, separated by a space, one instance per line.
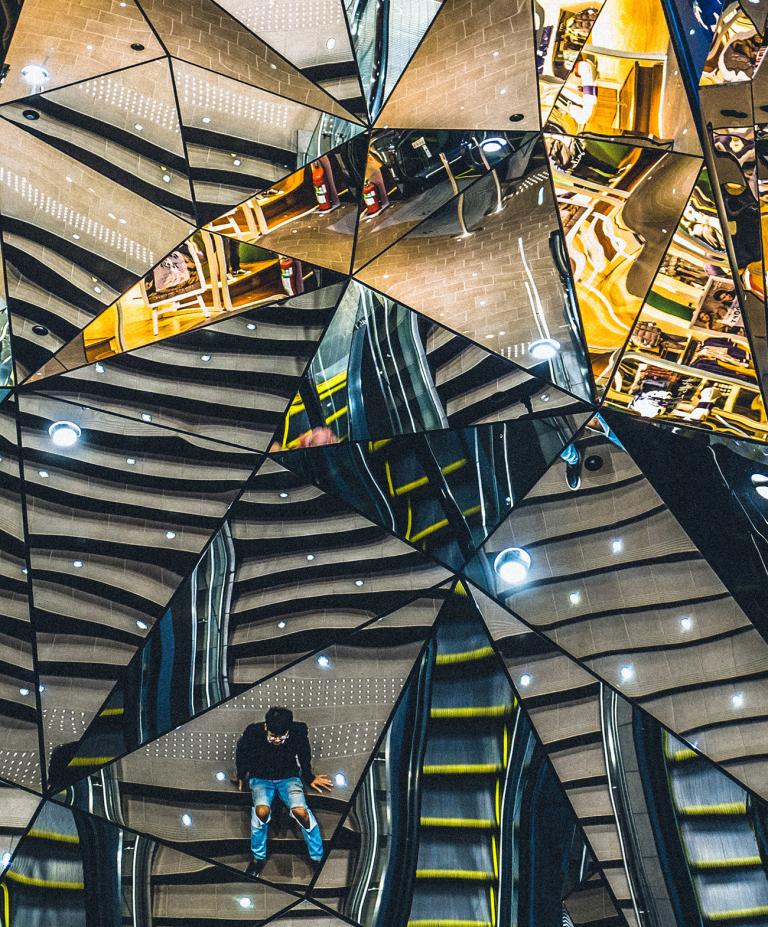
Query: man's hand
x=321 y=782
x=241 y=784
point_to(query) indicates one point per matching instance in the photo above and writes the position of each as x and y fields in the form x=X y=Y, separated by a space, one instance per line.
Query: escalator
x=463 y=771
x=717 y=831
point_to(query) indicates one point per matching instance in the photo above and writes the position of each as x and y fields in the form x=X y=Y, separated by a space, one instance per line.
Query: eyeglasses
x=277 y=739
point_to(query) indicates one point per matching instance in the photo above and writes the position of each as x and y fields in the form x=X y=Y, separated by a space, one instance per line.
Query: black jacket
x=256 y=756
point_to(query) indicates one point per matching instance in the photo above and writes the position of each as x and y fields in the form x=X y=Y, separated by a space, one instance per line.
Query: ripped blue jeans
x=291 y=792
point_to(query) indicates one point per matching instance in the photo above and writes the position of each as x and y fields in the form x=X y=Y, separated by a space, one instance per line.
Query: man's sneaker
x=254 y=868
x=573 y=473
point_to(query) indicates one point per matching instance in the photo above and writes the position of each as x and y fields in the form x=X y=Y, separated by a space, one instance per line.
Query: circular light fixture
x=627 y=672
x=64 y=434
x=130 y=461
x=40 y=330
x=543 y=349
x=340 y=779
x=24 y=691
x=492 y=145
x=205 y=358
x=762 y=491
x=516 y=117
x=35 y=74
x=323 y=662
x=310 y=556
x=281 y=625
x=137 y=46
x=31 y=114
x=44 y=474
x=166 y=178
x=359 y=582
x=206 y=120
x=245 y=902
x=525 y=680
x=686 y=623
x=186 y=820
x=221 y=776
x=170 y=535
x=99 y=368
x=737 y=699
x=512 y=565
x=593 y=463
x=283 y=495
x=331 y=43
x=141 y=624
x=251 y=327
x=77 y=564
x=146 y=417
x=759 y=478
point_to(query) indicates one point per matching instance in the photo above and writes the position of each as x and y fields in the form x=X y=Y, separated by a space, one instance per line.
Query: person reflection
x=275 y=757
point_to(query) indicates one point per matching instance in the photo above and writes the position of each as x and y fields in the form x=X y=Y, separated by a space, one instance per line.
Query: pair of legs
x=291 y=792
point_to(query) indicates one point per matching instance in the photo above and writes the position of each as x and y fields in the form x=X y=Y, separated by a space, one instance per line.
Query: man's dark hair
x=278 y=720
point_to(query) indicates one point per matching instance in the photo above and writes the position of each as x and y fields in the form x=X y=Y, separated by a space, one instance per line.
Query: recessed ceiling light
x=166 y=178
x=574 y=598
x=221 y=776
x=686 y=623
x=245 y=902
x=31 y=114
x=23 y=690
x=64 y=434
x=35 y=74
x=141 y=624
x=237 y=162
x=283 y=495
x=358 y=582
x=759 y=478
x=137 y=46
x=77 y=564
x=525 y=680
x=627 y=672
x=762 y=491
x=310 y=556
x=146 y=417
x=617 y=546
x=186 y=820
x=130 y=461
x=330 y=43
x=323 y=662
x=251 y=327
x=205 y=358
x=206 y=119
x=340 y=779
x=43 y=473
x=170 y=535
x=281 y=625
x=512 y=565
x=737 y=699
x=138 y=126
x=543 y=348
x=76 y=236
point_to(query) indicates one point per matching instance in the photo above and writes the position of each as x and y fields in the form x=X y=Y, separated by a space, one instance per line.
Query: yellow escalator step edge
x=479 y=823
x=459 y=769
x=464 y=875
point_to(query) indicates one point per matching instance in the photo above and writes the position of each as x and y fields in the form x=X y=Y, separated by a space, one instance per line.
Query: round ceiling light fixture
x=512 y=565
x=64 y=434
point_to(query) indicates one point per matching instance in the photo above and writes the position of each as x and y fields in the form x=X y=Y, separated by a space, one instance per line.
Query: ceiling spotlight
x=221 y=776
x=170 y=535
x=331 y=43
x=166 y=178
x=237 y=162
x=23 y=691
x=205 y=358
x=283 y=495
x=206 y=120
x=525 y=680
x=146 y=417
x=75 y=236
x=310 y=556
x=543 y=349
x=137 y=46
x=43 y=473
x=762 y=491
x=31 y=114
x=359 y=582
x=686 y=623
x=251 y=327
x=138 y=126
x=64 y=434
x=512 y=565
x=142 y=625
x=186 y=820
x=340 y=779
x=492 y=145
x=6 y=858
x=245 y=902
x=130 y=461
x=281 y=625
x=737 y=699
x=617 y=546
x=77 y=564
x=99 y=368
x=627 y=672
x=35 y=74
x=759 y=478
x=323 y=662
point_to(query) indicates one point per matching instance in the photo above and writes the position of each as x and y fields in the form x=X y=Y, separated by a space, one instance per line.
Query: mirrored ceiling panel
x=98 y=584
x=172 y=789
x=124 y=125
x=311 y=214
x=689 y=357
x=240 y=139
x=201 y=281
x=202 y=33
x=619 y=206
x=410 y=175
x=737 y=47
x=383 y=370
x=625 y=81
x=19 y=697
x=474 y=67
x=228 y=382
x=443 y=492
x=491 y=265
x=55 y=45
x=602 y=567
x=384 y=37
x=315 y=38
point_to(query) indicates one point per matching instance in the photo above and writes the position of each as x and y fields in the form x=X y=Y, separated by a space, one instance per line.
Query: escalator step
x=743 y=914
x=34 y=882
x=735 y=862
x=726 y=808
x=475 y=823
x=461 y=769
x=111 y=712
x=438 y=526
x=471 y=711
x=466 y=656
x=53 y=836
x=463 y=875
x=447 y=922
